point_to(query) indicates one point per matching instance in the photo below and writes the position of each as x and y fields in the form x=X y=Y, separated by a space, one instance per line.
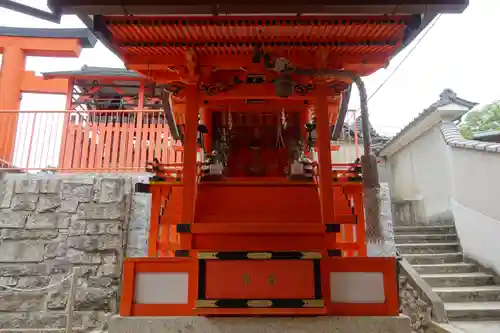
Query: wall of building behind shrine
x=51 y=223
x=439 y=177
x=421 y=172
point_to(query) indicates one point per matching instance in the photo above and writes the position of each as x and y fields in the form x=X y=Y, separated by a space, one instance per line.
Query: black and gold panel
x=259 y=280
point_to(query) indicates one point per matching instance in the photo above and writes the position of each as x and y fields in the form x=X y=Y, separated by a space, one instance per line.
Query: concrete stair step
x=476 y=326
x=424 y=238
x=424 y=229
x=473 y=310
x=428 y=247
x=435 y=327
x=459 y=267
x=469 y=294
x=458 y=279
x=434 y=258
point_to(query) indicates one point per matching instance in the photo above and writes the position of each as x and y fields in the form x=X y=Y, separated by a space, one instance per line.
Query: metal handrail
x=70 y=306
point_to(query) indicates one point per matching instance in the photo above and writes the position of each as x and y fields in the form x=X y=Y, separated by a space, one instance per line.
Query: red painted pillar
x=10 y=98
x=324 y=154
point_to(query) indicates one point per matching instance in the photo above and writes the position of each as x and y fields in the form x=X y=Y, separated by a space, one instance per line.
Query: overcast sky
x=460 y=52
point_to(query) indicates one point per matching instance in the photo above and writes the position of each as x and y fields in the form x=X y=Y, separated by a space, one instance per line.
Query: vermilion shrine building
x=260 y=223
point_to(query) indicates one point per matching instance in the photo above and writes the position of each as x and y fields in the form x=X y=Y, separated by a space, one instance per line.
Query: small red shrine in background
x=116 y=121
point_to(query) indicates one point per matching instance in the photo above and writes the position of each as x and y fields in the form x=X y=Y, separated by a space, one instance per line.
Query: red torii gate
x=18 y=43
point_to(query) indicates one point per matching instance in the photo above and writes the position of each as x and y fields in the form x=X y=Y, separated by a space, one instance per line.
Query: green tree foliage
x=484 y=119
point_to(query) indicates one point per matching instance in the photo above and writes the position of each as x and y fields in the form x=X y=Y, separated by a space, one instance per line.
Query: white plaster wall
x=453 y=182
x=478 y=235
x=421 y=171
x=384 y=171
x=476 y=179
x=403 y=176
x=476 y=204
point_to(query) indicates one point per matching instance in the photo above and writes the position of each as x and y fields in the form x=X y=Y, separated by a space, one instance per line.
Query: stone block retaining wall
x=414 y=306
x=51 y=223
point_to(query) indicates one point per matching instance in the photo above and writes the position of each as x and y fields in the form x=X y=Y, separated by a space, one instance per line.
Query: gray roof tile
x=452 y=137
x=102 y=71
x=474 y=145
x=481 y=146
x=448 y=96
x=491 y=147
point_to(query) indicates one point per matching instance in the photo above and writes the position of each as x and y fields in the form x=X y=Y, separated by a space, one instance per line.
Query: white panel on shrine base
x=357 y=287
x=161 y=288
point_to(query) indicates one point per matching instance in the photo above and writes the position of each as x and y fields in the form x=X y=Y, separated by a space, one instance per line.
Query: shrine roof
x=358 y=36
x=90 y=71
x=153 y=37
x=154 y=45
x=220 y=7
x=147 y=36
x=166 y=27
x=86 y=37
x=106 y=78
